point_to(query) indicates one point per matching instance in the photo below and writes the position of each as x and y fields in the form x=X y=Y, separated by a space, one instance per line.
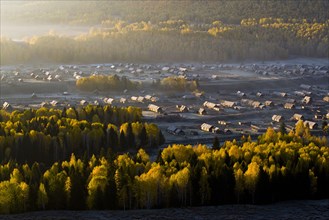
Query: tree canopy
x=276 y=167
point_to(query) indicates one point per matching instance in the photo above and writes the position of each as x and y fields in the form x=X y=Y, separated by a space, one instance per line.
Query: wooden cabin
x=155 y=108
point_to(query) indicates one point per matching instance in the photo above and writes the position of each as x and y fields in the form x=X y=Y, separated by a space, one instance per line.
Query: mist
x=21 y=20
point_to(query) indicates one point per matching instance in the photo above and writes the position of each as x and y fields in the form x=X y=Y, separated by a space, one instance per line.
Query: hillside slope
x=94 y=12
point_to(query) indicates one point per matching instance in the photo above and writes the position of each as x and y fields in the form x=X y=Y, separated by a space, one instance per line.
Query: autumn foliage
x=277 y=167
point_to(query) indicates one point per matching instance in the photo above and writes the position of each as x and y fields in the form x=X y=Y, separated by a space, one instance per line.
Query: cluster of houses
x=143 y=99
x=213 y=129
x=306 y=105
x=285 y=69
x=289 y=107
x=218 y=106
x=74 y=72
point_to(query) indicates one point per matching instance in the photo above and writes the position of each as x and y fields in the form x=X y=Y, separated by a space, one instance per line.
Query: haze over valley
x=168 y=109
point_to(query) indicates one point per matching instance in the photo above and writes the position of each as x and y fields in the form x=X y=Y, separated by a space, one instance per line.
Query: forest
x=169 y=31
x=173 y=83
x=176 y=41
x=278 y=166
x=107 y=157
x=195 y=11
x=117 y=83
x=105 y=83
x=50 y=135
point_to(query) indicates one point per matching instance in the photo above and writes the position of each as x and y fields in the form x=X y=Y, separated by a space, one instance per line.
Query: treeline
x=94 y=12
x=173 y=83
x=277 y=167
x=117 y=83
x=50 y=135
x=175 y=41
x=105 y=83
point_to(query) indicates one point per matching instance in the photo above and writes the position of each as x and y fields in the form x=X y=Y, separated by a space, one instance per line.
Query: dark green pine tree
x=63 y=115
x=130 y=137
x=161 y=138
x=113 y=138
x=159 y=158
x=215 y=145
x=283 y=128
x=143 y=138
x=78 y=191
x=263 y=188
x=122 y=141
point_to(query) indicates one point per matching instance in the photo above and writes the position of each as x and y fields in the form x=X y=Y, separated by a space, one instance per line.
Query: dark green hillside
x=94 y=12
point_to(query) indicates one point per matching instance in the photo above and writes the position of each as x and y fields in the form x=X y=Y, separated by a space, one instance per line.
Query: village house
x=269 y=103
x=155 y=108
x=227 y=131
x=134 y=98
x=307 y=100
x=258 y=129
x=326 y=98
x=54 y=103
x=289 y=106
x=182 y=108
x=202 y=111
x=223 y=122
x=298 y=117
x=228 y=104
x=44 y=104
x=252 y=103
x=256 y=104
x=83 y=102
x=247 y=101
x=241 y=94
x=312 y=125
x=210 y=105
x=175 y=131
x=7 y=106
x=209 y=128
x=108 y=100
x=148 y=97
x=277 y=118
x=154 y=99
x=140 y=99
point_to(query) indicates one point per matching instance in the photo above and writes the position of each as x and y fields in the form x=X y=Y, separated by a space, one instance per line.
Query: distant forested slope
x=94 y=12
x=157 y=31
x=172 y=40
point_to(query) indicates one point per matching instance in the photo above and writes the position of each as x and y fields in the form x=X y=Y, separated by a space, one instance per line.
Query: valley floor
x=309 y=209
